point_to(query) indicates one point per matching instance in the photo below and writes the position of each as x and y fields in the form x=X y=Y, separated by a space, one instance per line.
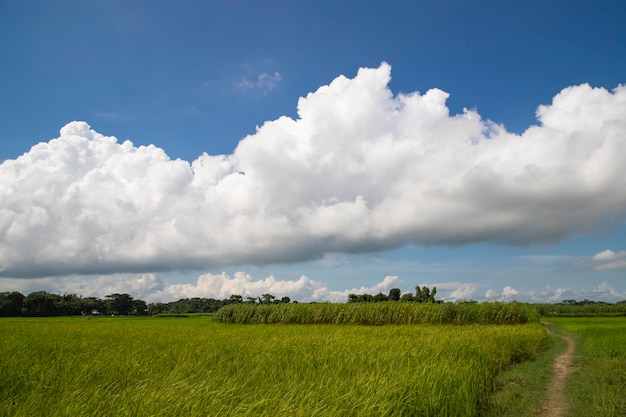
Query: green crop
x=380 y=313
x=199 y=367
x=598 y=387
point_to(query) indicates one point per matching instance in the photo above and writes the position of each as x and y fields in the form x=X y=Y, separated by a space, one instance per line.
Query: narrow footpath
x=555 y=404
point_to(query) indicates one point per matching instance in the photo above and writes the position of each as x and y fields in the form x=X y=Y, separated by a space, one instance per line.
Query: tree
x=424 y=295
x=11 y=304
x=235 y=299
x=121 y=304
x=366 y=298
x=41 y=304
x=140 y=308
x=407 y=297
x=69 y=305
x=158 y=308
x=93 y=305
x=380 y=297
x=286 y=300
x=394 y=294
x=267 y=299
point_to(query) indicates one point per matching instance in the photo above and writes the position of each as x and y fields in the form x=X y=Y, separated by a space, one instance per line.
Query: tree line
x=422 y=295
x=45 y=304
x=211 y=305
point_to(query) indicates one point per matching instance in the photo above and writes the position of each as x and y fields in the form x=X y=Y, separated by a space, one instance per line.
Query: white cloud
x=463 y=292
x=263 y=83
x=509 y=292
x=602 y=292
x=607 y=255
x=153 y=288
x=605 y=292
x=491 y=294
x=223 y=286
x=141 y=286
x=388 y=283
x=608 y=259
x=359 y=170
x=453 y=290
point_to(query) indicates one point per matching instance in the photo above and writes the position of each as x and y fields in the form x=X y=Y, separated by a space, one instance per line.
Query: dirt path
x=555 y=404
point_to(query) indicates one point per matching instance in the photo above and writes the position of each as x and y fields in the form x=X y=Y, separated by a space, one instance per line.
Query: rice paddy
x=597 y=388
x=198 y=366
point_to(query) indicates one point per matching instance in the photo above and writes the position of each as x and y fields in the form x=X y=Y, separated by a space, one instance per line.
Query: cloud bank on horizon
x=151 y=287
x=360 y=169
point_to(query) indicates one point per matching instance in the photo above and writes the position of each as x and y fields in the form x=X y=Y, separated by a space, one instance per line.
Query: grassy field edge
x=597 y=387
x=520 y=388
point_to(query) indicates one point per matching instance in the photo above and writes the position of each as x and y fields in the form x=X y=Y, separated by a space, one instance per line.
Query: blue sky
x=342 y=198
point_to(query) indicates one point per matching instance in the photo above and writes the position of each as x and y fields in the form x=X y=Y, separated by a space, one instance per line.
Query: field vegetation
x=584 y=308
x=387 y=312
x=197 y=366
x=598 y=387
x=384 y=355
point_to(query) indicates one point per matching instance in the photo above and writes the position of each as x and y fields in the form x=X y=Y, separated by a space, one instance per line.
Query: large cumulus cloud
x=360 y=169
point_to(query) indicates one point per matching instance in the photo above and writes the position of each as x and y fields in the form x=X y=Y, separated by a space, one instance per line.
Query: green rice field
x=597 y=388
x=197 y=366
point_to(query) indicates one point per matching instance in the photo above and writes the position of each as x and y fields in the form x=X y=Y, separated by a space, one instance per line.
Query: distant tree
x=187 y=305
x=140 y=308
x=158 y=308
x=267 y=299
x=285 y=300
x=11 y=304
x=424 y=295
x=394 y=294
x=235 y=298
x=407 y=297
x=251 y=300
x=41 y=304
x=366 y=298
x=380 y=297
x=69 y=305
x=93 y=304
x=121 y=304
x=353 y=298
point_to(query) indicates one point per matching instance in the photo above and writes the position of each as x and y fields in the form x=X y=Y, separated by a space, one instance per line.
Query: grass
x=598 y=387
x=380 y=313
x=196 y=367
x=589 y=309
x=520 y=389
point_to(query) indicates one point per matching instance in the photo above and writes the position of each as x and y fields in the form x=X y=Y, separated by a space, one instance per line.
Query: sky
x=313 y=149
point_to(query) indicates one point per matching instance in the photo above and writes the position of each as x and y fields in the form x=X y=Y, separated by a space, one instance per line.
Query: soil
x=555 y=404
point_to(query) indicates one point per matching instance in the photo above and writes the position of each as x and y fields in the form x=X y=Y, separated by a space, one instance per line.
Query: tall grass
x=199 y=367
x=598 y=387
x=380 y=313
